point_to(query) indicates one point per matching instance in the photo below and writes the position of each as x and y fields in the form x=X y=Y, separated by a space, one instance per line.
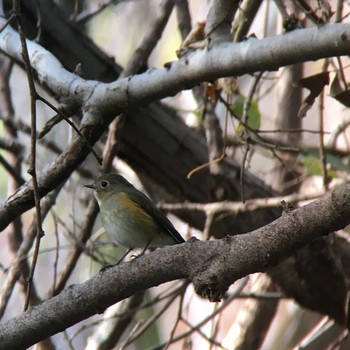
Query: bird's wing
x=151 y=209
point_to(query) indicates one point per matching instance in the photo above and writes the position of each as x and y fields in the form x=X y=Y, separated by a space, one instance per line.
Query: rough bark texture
x=212 y=266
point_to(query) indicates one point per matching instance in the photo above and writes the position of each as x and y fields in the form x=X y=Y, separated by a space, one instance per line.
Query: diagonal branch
x=226 y=59
x=204 y=263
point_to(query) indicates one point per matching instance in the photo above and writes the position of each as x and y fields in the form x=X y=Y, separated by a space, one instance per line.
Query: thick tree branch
x=226 y=59
x=212 y=267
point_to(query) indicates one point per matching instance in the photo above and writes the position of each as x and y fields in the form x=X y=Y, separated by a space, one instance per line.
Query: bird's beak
x=90 y=186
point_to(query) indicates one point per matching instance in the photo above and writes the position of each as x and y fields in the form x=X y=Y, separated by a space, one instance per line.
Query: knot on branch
x=212 y=279
x=210 y=286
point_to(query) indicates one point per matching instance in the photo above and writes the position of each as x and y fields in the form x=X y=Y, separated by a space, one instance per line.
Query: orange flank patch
x=134 y=209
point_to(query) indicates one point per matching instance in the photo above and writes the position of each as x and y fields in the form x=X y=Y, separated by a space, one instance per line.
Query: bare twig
x=244 y=18
x=8 y=21
x=74 y=255
x=237 y=207
x=61 y=114
x=140 y=56
x=11 y=170
x=218 y=310
x=15 y=270
x=87 y=14
x=178 y=318
x=243 y=165
x=11 y=145
x=143 y=328
x=111 y=146
x=183 y=17
x=322 y=151
x=32 y=167
x=340 y=128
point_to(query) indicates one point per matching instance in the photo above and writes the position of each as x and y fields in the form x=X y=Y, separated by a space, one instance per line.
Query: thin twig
x=291 y=131
x=260 y=141
x=58 y=111
x=238 y=207
x=210 y=340
x=52 y=146
x=8 y=21
x=14 y=271
x=13 y=164
x=223 y=305
x=322 y=152
x=141 y=54
x=151 y=321
x=183 y=17
x=10 y=169
x=32 y=166
x=87 y=14
x=74 y=255
x=245 y=116
x=11 y=145
x=111 y=146
x=340 y=128
x=242 y=170
x=55 y=264
x=179 y=316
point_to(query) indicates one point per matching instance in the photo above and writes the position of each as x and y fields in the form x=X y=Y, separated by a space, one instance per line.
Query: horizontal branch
x=249 y=205
x=229 y=59
x=212 y=266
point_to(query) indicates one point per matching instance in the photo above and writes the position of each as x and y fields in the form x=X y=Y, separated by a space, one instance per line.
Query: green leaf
x=237 y=107
x=337 y=163
x=254 y=116
x=312 y=165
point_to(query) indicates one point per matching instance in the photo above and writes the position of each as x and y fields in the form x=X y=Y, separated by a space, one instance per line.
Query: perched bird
x=130 y=217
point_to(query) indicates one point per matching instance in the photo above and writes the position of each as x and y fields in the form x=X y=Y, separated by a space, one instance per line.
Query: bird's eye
x=104 y=184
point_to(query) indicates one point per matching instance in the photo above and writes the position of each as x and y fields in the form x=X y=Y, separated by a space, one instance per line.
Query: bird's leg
x=107 y=266
x=147 y=246
x=122 y=258
x=143 y=251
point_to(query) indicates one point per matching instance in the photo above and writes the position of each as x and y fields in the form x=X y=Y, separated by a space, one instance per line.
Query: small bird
x=130 y=217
